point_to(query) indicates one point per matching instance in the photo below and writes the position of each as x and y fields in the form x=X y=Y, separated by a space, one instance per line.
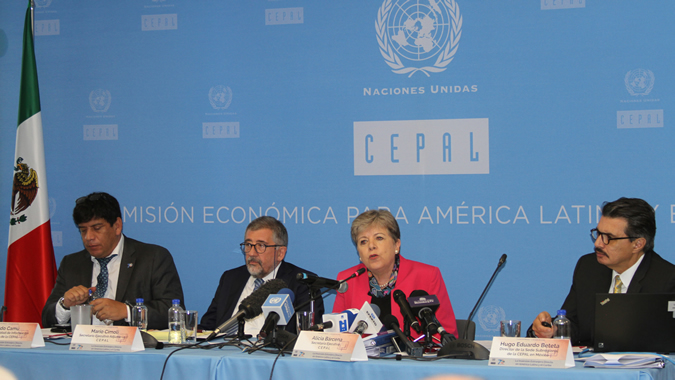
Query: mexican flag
x=31 y=268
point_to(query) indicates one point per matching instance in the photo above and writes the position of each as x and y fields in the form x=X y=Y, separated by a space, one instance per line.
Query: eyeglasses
x=605 y=237
x=260 y=248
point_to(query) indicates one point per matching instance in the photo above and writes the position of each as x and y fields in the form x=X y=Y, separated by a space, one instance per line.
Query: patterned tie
x=617 y=284
x=102 y=279
x=234 y=329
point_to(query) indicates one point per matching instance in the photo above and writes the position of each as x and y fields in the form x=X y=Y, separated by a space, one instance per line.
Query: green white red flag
x=31 y=267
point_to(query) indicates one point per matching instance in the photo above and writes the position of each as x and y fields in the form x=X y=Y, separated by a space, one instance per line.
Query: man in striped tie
x=112 y=271
x=624 y=261
x=264 y=249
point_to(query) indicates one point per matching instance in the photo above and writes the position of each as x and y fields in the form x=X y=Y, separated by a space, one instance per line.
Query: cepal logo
x=418 y=37
x=639 y=82
x=99 y=100
x=24 y=190
x=220 y=97
x=43 y=3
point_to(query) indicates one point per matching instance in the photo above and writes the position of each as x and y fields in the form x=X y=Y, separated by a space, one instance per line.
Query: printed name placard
x=343 y=347
x=531 y=352
x=107 y=338
x=21 y=335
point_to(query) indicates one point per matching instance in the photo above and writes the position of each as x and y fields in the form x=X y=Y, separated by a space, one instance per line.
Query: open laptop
x=635 y=322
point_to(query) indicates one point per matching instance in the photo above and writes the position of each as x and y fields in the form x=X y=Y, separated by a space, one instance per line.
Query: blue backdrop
x=486 y=127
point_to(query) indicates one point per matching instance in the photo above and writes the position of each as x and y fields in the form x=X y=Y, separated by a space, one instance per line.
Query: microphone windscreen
x=418 y=293
x=376 y=309
x=289 y=292
x=390 y=321
x=343 y=287
x=252 y=305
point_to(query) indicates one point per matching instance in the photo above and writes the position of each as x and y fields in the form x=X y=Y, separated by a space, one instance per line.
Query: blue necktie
x=102 y=279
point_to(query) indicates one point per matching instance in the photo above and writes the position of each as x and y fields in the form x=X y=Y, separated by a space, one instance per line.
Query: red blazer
x=412 y=275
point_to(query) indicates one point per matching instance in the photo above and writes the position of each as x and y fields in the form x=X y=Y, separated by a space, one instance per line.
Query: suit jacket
x=147 y=271
x=654 y=275
x=232 y=283
x=412 y=275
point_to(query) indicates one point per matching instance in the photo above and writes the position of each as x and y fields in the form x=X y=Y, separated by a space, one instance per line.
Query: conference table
x=58 y=362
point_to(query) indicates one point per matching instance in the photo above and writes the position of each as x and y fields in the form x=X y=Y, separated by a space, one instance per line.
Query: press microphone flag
x=278 y=310
x=368 y=316
x=340 y=322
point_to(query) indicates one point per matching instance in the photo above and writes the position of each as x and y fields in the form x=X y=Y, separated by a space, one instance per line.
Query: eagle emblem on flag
x=24 y=189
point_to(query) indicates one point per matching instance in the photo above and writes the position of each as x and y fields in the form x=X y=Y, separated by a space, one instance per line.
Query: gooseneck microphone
x=251 y=306
x=359 y=272
x=406 y=311
x=465 y=348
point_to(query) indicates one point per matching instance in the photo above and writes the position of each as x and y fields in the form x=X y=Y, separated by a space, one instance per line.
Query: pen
x=546 y=324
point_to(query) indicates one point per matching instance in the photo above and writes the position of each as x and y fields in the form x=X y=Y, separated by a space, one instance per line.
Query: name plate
x=531 y=352
x=21 y=335
x=106 y=338
x=342 y=347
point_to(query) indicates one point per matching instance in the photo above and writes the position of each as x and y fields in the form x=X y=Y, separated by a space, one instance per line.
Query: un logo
x=419 y=33
x=99 y=100
x=489 y=317
x=639 y=82
x=43 y=3
x=220 y=97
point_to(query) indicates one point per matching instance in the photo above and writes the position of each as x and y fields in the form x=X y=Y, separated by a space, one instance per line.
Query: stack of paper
x=624 y=361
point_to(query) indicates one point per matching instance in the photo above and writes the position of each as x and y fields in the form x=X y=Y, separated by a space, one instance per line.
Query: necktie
x=234 y=329
x=617 y=284
x=102 y=279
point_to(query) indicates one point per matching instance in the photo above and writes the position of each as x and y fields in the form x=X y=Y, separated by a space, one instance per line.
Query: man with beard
x=264 y=249
x=624 y=261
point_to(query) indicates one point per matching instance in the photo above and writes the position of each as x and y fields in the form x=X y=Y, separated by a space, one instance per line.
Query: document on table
x=624 y=361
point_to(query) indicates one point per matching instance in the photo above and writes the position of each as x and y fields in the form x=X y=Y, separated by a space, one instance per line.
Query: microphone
x=340 y=322
x=465 y=348
x=321 y=282
x=411 y=348
x=367 y=321
x=251 y=306
x=425 y=306
x=408 y=316
x=321 y=326
x=278 y=310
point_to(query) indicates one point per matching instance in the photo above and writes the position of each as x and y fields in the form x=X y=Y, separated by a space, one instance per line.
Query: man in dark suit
x=120 y=269
x=264 y=249
x=624 y=262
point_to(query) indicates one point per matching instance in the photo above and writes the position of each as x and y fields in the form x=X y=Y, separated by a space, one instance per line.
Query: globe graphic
x=419 y=30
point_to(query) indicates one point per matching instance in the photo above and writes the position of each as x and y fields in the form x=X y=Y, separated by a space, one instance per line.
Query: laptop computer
x=641 y=322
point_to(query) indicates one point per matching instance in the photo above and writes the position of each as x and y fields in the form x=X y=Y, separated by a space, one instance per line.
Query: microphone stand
x=466 y=348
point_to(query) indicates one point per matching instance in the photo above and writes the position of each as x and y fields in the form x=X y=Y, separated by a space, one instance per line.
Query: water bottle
x=176 y=323
x=562 y=324
x=139 y=315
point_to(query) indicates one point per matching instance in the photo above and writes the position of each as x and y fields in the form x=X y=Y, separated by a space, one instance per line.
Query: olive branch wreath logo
x=392 y=59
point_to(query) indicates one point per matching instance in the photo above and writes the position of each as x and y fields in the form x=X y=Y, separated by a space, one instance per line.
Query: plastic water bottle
x=139 y=315
x=562 y=325
x=176 y=323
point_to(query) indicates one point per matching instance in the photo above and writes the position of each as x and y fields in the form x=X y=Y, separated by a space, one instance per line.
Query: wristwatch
x=63 y=305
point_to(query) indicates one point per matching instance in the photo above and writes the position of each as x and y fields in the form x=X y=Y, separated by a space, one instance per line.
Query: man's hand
x=105 y=308
x=539 y=329
x=75 y=296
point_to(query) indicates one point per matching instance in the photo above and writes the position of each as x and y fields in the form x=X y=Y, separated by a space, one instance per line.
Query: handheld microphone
x=251 y=306
x=426 y=305
x=411 y=348
x=367 y=321
x=278 y=310
x=465 y=348
x=340 y=322
x=321 y=326
x=408 y=316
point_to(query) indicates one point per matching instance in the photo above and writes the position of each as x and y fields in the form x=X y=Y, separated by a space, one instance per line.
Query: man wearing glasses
x=624 y=261
x=112 y=271
x=264 y=249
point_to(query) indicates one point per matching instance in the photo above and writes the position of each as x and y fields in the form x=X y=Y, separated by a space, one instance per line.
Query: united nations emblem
x=418 y=33
x=639 y=82
x=99 y=100
x=24 y=190
x=43 y=3
x=220 y=97
x=490 y=316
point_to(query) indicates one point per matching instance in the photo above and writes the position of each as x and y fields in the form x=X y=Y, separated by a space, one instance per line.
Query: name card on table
x=531 y=352
x=21 y=335
x=107 y=338
x=343 y=347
